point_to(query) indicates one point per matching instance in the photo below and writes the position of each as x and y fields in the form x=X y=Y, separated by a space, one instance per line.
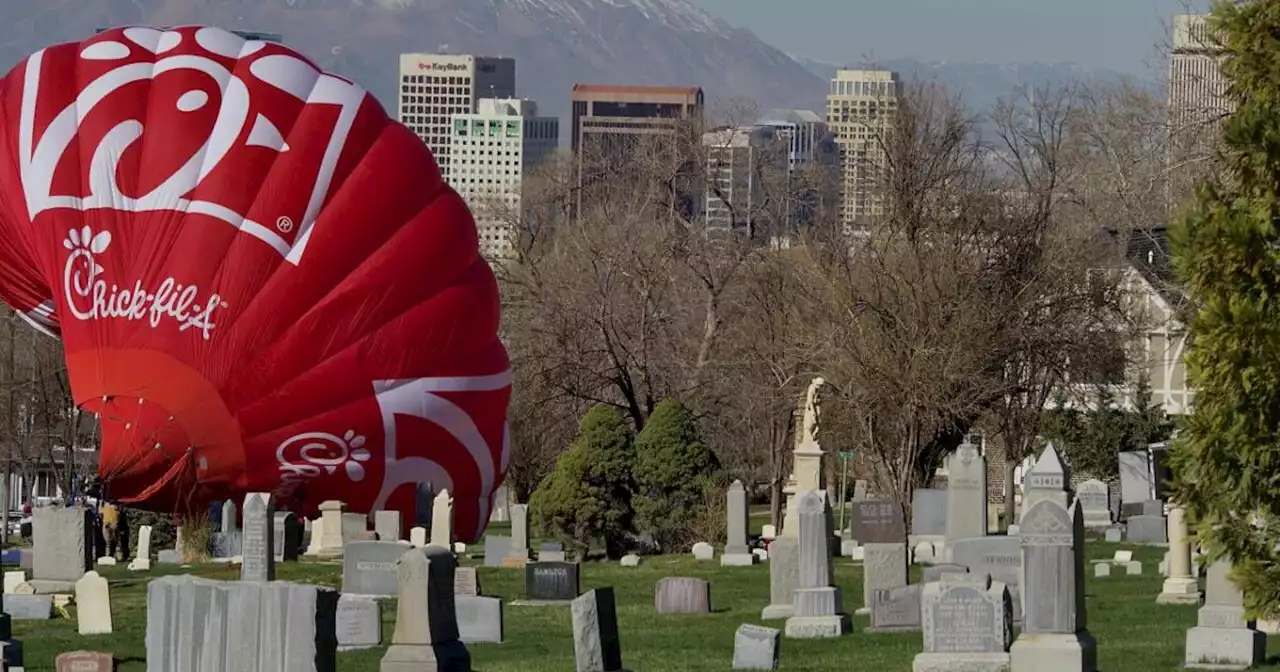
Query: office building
x=491 y=152
x=1197 y=88
x=807 y=135
x=860 y=108
x=434 y=87
x=744 y=165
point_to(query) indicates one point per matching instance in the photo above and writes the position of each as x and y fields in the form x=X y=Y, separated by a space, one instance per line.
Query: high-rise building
x=491 y=152
x=1197 y=88
x=434 y=87
x=860 y=109
x=609 y=121
x=807 y=134
x=740 y=164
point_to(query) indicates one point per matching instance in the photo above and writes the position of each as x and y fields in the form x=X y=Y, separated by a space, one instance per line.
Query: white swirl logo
x=89 y=297
x=322 y=452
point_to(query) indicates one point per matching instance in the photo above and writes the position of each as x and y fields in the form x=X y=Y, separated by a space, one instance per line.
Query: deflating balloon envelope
x=261 y=282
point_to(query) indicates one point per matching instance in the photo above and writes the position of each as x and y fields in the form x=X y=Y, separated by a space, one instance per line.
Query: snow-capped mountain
x=556 y=43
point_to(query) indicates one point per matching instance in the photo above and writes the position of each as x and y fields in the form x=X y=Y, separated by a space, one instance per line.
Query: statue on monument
x=812 y=413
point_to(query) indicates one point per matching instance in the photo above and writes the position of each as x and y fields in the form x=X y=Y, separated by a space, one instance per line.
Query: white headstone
x=818 y=605
x=142 y=557
x=1181 y=586
x=386 y=524
x=519 y=546
x=258 y=549
x=418 y=536
x=736 y=551
x=330 y=528
x=704 y=551
x=1223 y=638
x=966 y=494
x=93 y=605
x=12 y=579
x=426 y=633
x=442 y=520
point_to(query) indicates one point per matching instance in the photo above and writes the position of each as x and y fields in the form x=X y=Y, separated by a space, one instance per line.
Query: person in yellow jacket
x=110 y=526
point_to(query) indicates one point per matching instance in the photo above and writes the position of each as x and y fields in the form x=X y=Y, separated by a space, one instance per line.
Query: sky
x=1122 y=35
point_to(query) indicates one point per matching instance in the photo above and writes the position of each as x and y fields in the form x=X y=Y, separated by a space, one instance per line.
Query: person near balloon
x=110 y=515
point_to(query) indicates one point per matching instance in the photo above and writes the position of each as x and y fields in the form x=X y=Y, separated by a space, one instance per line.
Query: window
x=460 y=126
x=513 y=129
x=495 y=128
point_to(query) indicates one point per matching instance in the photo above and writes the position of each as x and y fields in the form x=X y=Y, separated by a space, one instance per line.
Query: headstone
x=287 y=538
x=966 y=494
x=259 y=545
x=1122 y=557
x=1136 y=483
x=1053 y=636
x=736 y=551
x=330 y=524
x=229 y=517
x=1223 y=637
x=169 y=556
x=1048 y=479
x=1146 y=530
x=784 y=575
x=442 y=520
x=769 y=532
x=426 y=634
x=480 y=619
x=141 y=561
x=226 y=544
x=1095 y=499
x=359 y=623
x=630 y=560
x=386 y=524
x=896 y=610
x=495 y=549
x=877 y=521
x=22 y=607
x=1182 y=585
x=106 y=561
x=501 y=511
x=12 y=579
x=755 y=647
x=704 y=551
x=884 y=567
x=369 y=568
x=465 y=582
x=354 y=526
x=967 y=625
x=1101 y=570
x=63 y=545
x=24 y=588
x=519 y=544
x=929 y=512
x=681 y=595
x=1112 y=535
x=548 y=551
x=85 y=661
x=935 y=572
x=1133 y=568
x=418 y=536
x=819 y=608
x=93 y=605
x=859 y=489
x=596 y=645
x=551 y=581
x=1001 y=557
x=423 y=496
x=315 y=535
x=246 y=626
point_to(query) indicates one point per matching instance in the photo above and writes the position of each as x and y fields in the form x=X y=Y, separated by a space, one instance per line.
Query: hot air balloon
x=262 y=283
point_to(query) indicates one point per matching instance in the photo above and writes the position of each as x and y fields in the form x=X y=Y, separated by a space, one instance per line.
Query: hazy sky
x=1122 y=35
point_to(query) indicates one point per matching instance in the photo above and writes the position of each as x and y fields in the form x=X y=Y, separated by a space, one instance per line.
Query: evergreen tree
x=674 y=469
x=587 y=496
x=1226 y=461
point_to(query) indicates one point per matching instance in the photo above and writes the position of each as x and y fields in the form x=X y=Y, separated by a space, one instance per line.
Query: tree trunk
x=1009 y=516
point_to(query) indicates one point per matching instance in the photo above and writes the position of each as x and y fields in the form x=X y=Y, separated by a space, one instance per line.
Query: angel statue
x=812 y=411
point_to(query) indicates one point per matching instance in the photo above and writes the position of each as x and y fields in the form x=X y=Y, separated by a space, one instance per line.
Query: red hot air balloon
x=261 y=282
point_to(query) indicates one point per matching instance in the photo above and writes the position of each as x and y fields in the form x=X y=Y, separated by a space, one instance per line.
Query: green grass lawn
x=1134 y=634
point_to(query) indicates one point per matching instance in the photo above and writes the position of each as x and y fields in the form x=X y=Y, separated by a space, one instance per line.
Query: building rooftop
x=645 y=90
x=791 y=117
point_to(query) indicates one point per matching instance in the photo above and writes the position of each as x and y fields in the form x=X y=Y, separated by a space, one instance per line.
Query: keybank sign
x=453 y=67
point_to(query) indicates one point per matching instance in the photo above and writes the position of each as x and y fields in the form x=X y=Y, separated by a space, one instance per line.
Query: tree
x=674 y=468
x=588 y=495
x=1090 y=438
x=1226 y=461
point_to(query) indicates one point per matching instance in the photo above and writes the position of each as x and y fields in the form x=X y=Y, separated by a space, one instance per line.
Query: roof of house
x=1149 y=253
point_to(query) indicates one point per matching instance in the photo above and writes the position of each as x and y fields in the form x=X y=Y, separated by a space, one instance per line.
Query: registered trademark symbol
x=284 y=224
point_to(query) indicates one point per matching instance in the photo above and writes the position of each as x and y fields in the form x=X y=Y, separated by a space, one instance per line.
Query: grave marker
x=369 y=568
x=681 y=595
x=480 y=619
x=518 y=547
x=63 y=544
x=466 y=582
x=426 y=634
x=551 y=581
x=359 y=623
x=896 y=610
x=85 y=661
x=386 y=524
x=1223 y=638
x=442 y=520
x=755 y=647
x=877 y=521
x=287 y=539
x=93 y=605
x=330 y=528
x=819 y=608
x=784 y=575
x=967 y=624
x=966 y=494
x=736 y=552
x=596 y=645
x=1095 y=499
x=258 y=546
x=929 y=512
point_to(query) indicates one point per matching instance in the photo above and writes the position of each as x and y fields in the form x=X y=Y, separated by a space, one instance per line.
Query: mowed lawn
x=1134 y=634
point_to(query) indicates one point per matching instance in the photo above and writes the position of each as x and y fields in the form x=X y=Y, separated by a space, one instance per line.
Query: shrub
x=588 y=494
x=674 y=469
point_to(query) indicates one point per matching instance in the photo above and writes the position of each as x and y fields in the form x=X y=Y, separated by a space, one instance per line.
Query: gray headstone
x=1136 y=483
x=1223 y=637
x=228 y=517
x=1113 y=535
x=359 y=623
x=480 y=619
x=495 y=549
x=966 y=494
x=29 y=607
x=896 y=609
x=426 y=634
x=63 y=544
x=1152 y=507
x=877 y=521
x=466 y=582
x=929 y=512
x=755 y=647
x=815 y=539
x=370 y=568
x=168 y=556
x=784 y=577
x=354 y=526
x=596 y=645
x=288 y=536
x=737 y=520
x=1053 y=565
x=1147 y=530
x=259 y=546
x=519 y=542
x=966 y=616
x=226 y=544
x=935 y=572
x=681 y=595
x=1000 y=557
x=548 y=551
x=1095 y=500
x=551 y=581
x=884 y=567
x=386 y=524
x=195 y=623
